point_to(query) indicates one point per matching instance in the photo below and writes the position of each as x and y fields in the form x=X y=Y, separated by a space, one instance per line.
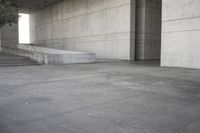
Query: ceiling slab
x=29 y=6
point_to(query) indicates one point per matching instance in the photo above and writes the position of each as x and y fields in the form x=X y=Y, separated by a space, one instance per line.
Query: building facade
x=165 y=30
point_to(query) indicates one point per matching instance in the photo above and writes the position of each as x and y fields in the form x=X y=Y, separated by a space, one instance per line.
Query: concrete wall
x=148 y=29
x=132 y=36
x=181 y=33
x=0 y=38
x=99 y=26
x=9 y=36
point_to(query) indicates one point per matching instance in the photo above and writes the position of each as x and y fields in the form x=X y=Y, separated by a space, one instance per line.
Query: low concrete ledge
x=39 y=57
x=51 y=56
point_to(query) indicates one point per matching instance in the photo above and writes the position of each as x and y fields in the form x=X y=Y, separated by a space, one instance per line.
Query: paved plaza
x=112 y=97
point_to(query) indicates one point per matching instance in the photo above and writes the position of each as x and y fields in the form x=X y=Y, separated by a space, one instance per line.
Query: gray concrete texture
x=0 y=39
x=99 y=98
x=55 y=56
x=29 y=6
x=180 y=33
x=98 y=26
x=13 y=60
x=148 y=29
x=9 y=36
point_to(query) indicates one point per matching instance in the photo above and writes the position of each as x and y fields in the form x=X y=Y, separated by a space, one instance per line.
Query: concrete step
x=12 y=56
x=19 y=62
x=45 y=55
x=14 y=60
x=9 y=57
x=56 y=56
x=6 y=65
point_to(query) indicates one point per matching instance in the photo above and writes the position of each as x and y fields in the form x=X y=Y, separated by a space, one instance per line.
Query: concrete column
x=180 y=33
x=9 y=36
x=148 y=29
x=132 y=44
x=0 y=38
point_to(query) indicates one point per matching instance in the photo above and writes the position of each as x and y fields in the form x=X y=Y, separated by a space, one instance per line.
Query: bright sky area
x=24 y=32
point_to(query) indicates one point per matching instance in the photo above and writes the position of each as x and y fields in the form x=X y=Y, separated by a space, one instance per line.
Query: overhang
x=28 y=6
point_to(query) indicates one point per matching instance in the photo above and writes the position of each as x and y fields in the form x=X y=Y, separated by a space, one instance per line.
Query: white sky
x=24 y=35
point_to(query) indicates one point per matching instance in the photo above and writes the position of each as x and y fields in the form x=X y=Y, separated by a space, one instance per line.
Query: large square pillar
x=148 y=29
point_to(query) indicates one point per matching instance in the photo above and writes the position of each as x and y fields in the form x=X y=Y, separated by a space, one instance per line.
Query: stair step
x=14 y=60
x=17 y=61
x=13 y=57
x=3 y=65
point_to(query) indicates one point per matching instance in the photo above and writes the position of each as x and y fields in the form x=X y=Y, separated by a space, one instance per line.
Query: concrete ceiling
x=28 y=6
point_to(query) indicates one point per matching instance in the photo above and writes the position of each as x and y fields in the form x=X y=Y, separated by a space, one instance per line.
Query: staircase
x=45 y=55
x=15 y=60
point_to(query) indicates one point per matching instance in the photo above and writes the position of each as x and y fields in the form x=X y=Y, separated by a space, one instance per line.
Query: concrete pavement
x=117 y=97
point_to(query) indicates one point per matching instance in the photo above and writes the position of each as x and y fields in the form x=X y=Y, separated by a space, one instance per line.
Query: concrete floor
x=99 y=98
